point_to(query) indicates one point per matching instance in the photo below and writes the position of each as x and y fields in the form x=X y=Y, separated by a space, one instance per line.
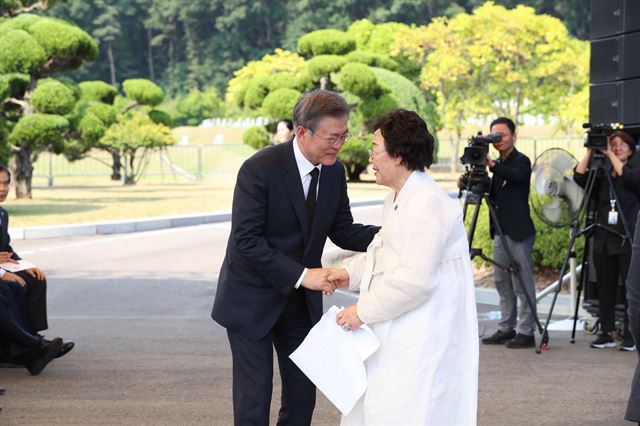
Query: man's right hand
x=316 y=279
x=8 y=276
x=339 y=277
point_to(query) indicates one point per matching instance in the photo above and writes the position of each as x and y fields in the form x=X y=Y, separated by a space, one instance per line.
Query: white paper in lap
x=16 y=267
x=333 y=359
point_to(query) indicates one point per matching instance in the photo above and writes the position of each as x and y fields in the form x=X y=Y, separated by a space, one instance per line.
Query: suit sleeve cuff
x=298 y=283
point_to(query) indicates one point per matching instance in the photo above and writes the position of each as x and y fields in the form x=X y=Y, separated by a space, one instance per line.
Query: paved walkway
x=147 y=353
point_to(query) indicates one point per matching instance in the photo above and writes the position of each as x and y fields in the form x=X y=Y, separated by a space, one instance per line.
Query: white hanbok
x=417 y=294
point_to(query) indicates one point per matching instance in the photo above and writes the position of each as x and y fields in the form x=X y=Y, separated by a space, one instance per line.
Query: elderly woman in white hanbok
x=416 y=292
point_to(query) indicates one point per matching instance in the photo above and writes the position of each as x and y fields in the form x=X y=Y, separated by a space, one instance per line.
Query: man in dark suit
x=33 y=301
x=633 y=300
x=509 y=194
x=288 y=199
x=24 y=348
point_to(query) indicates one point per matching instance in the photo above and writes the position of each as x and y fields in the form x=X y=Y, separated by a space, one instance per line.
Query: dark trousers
x=12 y=325
x=609 y=270
x=253 y=370
x=36 y=303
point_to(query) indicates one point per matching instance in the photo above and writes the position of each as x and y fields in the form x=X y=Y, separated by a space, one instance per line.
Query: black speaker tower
x=615 y=63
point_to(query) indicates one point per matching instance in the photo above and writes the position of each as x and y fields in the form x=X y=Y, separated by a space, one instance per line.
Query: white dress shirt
x=304 y=168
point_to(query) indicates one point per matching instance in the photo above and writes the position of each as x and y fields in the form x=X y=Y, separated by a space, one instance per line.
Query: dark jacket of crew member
x=509 y=194
x=627 y=188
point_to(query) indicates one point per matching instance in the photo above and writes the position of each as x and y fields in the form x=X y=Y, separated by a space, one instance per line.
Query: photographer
x=612 y=252
x=509 y=194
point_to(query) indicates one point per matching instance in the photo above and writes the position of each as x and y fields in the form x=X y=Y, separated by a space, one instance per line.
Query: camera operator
x=612 y=252
x=509 y=194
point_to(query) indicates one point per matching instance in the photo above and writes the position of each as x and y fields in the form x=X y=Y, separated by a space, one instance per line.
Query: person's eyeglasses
x=335 y=142
x=373 y=153
x=621 y=145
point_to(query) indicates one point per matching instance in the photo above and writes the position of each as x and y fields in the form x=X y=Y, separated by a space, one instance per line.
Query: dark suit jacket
x=627 y=189
x=5 y=239
x=633 y=299
x=270 y=242
x=509 y=194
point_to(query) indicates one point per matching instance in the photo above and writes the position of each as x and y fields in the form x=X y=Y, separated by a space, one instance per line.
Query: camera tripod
x=477 y=190
x=586 y=212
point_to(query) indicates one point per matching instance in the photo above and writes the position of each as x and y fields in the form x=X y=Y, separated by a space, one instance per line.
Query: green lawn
x=194 y=178
x=92 y=199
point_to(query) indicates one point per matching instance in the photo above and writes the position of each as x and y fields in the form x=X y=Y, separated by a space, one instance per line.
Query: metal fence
x=198 y=162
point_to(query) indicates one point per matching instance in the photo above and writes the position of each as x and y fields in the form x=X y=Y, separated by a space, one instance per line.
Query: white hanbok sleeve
x=355 y=268
x=424 y=235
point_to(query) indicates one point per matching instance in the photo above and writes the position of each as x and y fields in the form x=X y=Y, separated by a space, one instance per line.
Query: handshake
x=326 y=280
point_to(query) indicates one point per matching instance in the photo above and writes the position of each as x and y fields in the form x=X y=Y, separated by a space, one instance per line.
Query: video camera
x=476 y=179
x=598 y=134
x=475 y=153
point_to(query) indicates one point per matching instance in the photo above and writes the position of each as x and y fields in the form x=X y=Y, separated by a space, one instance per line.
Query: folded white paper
x=16 y=267
x=333 y=359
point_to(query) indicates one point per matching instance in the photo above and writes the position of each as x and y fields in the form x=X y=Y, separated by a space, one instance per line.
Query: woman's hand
x=348 y=318
x=5 y=257
x=8 y=276
x=339 y=277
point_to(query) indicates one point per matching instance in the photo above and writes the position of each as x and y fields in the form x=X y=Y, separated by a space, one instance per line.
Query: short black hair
x=287 y=123
x=6 y=170
x=406 y=135
x=505 y=120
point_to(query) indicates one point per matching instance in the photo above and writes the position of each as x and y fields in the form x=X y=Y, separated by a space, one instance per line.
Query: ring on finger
x=346 y=326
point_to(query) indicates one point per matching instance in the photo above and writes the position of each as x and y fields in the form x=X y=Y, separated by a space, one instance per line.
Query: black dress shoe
x=44 y=355
x=522 y=341
x=499 y=337
x=1 y=390
x=66 y=348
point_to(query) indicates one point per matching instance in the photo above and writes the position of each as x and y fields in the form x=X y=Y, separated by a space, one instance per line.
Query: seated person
x=19 y=346
x=32 y=300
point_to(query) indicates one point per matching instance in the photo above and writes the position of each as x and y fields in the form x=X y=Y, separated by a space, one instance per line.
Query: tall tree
x=499 y=61
x=11 y=8
x=107 y=29
x=35 y=48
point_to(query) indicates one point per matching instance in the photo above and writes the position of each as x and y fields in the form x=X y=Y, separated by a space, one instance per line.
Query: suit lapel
x=294 y=187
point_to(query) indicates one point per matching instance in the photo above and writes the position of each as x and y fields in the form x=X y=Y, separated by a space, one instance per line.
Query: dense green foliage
x=361 y=81
x=372 y=59
x=355 y=156
x=20 y=52
x=279 y=103
x=182 y=45
x=323 y=65
x=98 y=91
x=40 y=130
x=256 y=137
x=197 y=106
x=134 y=136
x=53 y=97
x=326 y=42
x=34 y=105
x=549 y=249
x=13 y=85
x=143 y=91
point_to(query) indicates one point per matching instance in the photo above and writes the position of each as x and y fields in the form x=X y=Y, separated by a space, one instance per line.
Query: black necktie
x=311 y=195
